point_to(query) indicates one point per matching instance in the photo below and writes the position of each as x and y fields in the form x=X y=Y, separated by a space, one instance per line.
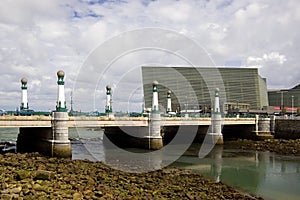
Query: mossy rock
x=23 y=174
x=43 y=175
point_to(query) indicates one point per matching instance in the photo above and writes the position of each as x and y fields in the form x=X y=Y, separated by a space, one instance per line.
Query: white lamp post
x=281 y=104
x=292 y=106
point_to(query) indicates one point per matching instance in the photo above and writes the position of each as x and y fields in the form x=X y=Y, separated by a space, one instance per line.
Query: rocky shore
x=280 y=146
x=31 y=176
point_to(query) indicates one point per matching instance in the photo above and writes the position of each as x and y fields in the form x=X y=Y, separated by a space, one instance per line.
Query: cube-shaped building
x=193 y=88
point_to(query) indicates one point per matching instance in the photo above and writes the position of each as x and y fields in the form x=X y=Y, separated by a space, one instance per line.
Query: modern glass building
x=193 y=87
x=285 y=98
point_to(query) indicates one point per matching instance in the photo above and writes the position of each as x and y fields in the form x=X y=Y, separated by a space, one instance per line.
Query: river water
x=265 y=174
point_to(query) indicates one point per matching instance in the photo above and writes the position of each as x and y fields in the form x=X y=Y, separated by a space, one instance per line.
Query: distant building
x=192 y=88
x=289 y=99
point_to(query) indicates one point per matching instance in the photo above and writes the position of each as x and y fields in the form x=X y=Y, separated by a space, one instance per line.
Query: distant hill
x=297 y=87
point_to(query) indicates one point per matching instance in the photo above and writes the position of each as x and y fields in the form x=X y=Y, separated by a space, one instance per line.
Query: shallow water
x=265 y=174
x=8 y=134
x=262 y=173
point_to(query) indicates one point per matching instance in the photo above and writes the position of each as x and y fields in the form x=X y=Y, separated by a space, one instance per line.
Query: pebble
x=22 y=178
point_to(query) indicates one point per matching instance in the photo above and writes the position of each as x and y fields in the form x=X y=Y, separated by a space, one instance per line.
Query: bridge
x=49 y=134
x=104 y=121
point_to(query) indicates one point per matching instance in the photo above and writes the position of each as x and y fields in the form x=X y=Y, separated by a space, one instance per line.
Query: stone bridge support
x=60 y=143
x=155 y=140
x=50 y=141
x=215 y=132
x=264 y=127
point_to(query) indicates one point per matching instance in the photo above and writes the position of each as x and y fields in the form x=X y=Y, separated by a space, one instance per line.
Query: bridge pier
x=264 y=127
x=155 y=140
x=215 y=132
x=60 y=143
x=272 y=124
x=50 y=141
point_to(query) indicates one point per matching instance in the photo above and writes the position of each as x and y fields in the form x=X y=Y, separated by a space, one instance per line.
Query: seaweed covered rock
x=30 y=176
x=280 y=146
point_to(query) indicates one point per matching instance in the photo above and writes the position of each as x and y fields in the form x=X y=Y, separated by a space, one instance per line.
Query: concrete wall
x=287 y=128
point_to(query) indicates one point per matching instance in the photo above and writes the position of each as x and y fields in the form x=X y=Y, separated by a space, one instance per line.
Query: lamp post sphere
x=155 y=83
x=60 y=73
x=23 y=80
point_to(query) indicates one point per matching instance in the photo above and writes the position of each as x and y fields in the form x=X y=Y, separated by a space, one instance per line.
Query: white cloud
x=40 y=37
x=273 y=57
x=177 y=11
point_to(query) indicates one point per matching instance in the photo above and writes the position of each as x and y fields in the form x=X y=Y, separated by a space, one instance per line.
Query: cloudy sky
x=40 y=37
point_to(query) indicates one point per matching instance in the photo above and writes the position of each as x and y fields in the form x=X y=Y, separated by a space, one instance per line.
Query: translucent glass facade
x=285 y=97
x=193 y=88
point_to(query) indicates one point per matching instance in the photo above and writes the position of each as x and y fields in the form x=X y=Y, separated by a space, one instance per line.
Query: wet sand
x=31 y=176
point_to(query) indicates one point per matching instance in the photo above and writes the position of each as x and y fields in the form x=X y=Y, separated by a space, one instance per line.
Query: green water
x=262 y=173
x=8 y=134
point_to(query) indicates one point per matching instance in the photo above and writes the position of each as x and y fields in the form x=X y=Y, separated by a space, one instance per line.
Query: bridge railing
x=92 y=121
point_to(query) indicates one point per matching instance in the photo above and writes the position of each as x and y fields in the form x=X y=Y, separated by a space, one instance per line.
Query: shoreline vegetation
x=32 y=176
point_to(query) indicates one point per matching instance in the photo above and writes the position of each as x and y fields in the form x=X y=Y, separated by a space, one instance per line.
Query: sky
x=38 y=38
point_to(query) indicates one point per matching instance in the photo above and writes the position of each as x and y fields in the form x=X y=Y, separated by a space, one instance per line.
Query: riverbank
x=31 y=176
x=280 y=146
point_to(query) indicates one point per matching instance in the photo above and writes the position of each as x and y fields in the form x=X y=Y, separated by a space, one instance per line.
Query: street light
x=281 y=104
x=292 y=106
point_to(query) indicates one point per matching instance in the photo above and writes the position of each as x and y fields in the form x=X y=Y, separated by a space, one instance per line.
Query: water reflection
x=263 y=173
x=216 y=166
x=133 y=160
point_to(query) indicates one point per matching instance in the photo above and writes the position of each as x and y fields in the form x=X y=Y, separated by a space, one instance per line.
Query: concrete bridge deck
x=82 y=121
